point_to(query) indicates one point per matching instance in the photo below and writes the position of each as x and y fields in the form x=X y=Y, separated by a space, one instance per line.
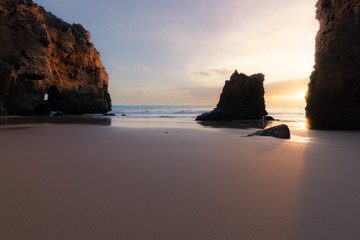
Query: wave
x=191 y=112
x=160 y=110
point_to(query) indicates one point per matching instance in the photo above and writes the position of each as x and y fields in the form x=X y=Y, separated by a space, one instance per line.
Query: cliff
x=41 y=55
x=242 y=98
x=333 y=98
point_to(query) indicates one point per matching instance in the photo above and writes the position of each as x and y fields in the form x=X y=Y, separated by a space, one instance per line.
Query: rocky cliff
x=242 y=98
x=333 y=98
x=41 y=55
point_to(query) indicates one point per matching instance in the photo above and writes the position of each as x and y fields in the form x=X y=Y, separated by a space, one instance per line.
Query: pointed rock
x=242 y=98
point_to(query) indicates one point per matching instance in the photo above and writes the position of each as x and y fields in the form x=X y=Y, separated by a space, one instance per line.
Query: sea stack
x=47 y=64
x=242 y=98
x=333 y=98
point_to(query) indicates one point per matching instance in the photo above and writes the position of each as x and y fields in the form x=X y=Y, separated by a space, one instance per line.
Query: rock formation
x=242 y=98
x=280 y=131
x=333 y=98
x=41 y=55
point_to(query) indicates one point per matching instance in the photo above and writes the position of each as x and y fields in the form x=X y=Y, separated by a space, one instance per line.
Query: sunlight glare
x=301 y=94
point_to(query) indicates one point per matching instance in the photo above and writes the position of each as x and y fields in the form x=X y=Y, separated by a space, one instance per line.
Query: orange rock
x=41 y=54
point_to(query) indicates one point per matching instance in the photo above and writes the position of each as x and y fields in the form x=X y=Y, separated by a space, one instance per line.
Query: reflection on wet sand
x=329 y=195
x=71 y=119
x=243 y=124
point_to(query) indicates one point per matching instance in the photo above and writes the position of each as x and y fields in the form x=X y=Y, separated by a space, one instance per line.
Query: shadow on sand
x=71 y=119
x=243 y=124
x=330 y=197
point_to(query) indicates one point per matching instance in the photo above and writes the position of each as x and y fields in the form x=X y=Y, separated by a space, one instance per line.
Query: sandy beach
x=76 y=181
x=148 y=120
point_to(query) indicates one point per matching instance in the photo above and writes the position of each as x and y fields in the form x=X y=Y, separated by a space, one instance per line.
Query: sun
x=301 y=94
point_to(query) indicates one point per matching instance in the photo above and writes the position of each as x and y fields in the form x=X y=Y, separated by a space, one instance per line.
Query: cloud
x=122 y=68
x=203 y=73
x=286 y=93
x=147 y=69
x=200 y=90
x=222 y=71
x=287 y=88
x=212 y=71
x=113 y=76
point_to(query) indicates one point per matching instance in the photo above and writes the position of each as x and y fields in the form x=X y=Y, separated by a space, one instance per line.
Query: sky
x=181 y=52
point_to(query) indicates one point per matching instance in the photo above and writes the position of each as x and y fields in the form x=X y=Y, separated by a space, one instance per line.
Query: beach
x=172 y=120
x=123 y=181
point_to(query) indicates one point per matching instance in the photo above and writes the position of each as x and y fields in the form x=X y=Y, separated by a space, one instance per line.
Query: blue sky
x=181 y=52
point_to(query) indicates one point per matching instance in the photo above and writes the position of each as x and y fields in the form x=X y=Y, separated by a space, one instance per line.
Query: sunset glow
x=153 y=45
x=301 y=95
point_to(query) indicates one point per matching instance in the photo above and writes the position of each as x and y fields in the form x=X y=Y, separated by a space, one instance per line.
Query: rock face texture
x=333 y=98
x=42 y=55
x=242 y=98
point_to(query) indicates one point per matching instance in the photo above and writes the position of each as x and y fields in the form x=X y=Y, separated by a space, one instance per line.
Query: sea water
x=159 y=111
x=189 y=113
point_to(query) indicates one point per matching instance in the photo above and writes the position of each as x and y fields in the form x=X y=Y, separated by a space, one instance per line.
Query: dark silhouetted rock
x=269 y=118
x=242 y=98
x=41 y=54
x=333 y=98
x=280 y=131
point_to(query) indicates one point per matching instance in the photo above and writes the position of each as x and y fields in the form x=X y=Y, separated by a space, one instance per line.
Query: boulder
x=280 y=131
x=41 y=55
x=333 y=98
x=242 y=98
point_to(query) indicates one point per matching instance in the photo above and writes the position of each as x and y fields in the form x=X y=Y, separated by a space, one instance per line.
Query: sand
x=106 y=182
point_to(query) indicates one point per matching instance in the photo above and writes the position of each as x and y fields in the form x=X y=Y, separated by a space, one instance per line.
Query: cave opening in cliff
x=53 y=99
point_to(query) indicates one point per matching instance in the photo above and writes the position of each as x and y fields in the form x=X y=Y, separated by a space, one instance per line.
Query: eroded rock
x=280 y=131
x=333 y=98
x=41 y=54
x=242 y=98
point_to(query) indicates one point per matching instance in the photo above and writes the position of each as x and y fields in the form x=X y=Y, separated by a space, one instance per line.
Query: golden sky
x=181 y=52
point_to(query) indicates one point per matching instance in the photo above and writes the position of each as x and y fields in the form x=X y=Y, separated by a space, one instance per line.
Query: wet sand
x=106 y=182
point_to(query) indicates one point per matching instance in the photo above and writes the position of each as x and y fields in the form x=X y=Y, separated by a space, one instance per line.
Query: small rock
x=280 y=131
x=269 y=118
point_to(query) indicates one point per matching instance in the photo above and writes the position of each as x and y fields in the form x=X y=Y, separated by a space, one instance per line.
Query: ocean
x=189 y=113
x=162 y=116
